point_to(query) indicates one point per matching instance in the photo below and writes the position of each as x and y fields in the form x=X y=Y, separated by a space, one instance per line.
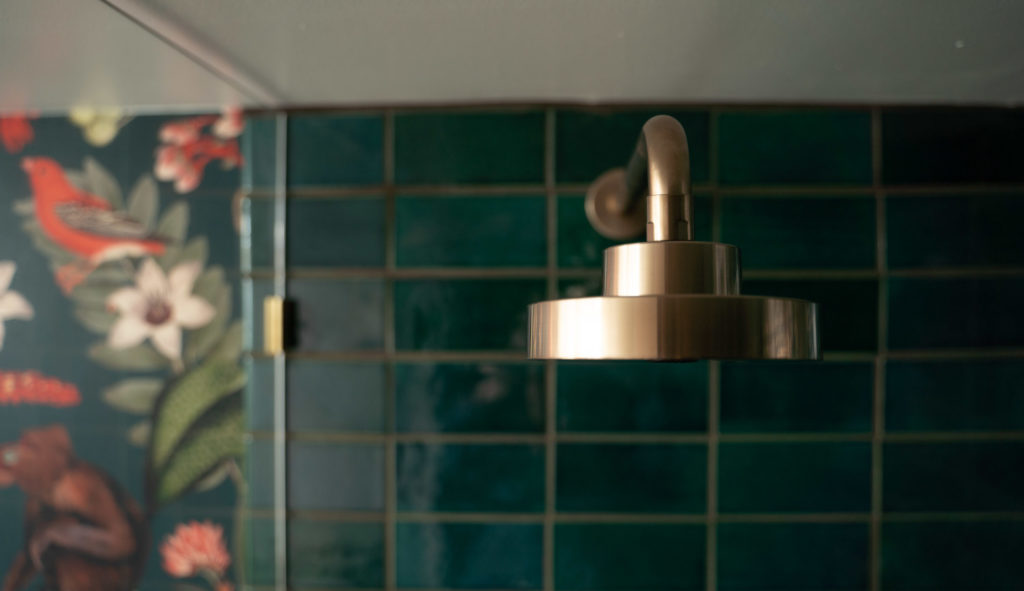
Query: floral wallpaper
x=120 y=345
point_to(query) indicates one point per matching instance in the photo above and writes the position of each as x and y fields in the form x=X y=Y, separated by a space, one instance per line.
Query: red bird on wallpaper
x=83 y=224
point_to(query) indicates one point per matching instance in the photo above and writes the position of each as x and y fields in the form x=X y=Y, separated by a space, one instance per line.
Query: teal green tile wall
x=422 y=450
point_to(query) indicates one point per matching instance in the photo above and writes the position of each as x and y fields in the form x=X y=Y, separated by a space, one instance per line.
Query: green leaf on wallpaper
x=77 y=178
x=134 y=395
x=57 y=255
x=144 y=201
x=186 y=400
x=112 y=274
x=96 y=320
x=212 y=441
x=173 y=224
x=138 y=434
x=199 y=341
x=138 y=358
x=101 y=183
x=210 y=283
x=92 y=293
x=213 y=479
x=197 y=249
x=230 y=345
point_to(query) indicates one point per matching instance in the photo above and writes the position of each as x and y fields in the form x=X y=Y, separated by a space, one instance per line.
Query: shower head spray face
x=670 y=298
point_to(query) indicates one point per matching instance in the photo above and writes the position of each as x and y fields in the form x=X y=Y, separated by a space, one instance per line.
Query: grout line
x=390 y=407
x=878 y=398
x=393 y=272
x=492 y=438
x=550 y=367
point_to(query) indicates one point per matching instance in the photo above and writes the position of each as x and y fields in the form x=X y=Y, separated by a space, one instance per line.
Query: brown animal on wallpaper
x=82 y=531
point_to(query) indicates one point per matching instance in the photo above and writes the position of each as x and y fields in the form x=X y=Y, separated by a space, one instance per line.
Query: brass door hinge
x=278 y=324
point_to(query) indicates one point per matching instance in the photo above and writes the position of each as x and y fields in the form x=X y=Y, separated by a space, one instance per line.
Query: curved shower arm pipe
x=660 y=171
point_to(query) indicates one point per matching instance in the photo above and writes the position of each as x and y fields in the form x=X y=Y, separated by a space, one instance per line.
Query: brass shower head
x=670 y=298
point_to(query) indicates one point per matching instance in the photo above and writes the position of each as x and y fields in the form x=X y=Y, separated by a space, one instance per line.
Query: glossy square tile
x=326 y=554
x=579 y=244
x=790 y=147
x=919 y=231
x=259 y=394
x=469 y=555
x=580 y=287
x=481 y=478
x=464 y=314
x=952 y=555
x=957 y=312
x=335 y=396
x=448 y=397
x=792 y=556
x=590 y=141
x=260 y=566
x=801 y=232
x=794 y=477
x=763 y=397
x=607 y=557
x=961 y=476
x=950 y=145
x=471 y=231
x=258 y=145
x=257 y=236
x=254 y=290
x=258 y=467
x=332 y=150
x=627 y=478
x=336 y=232
x=847 y=309
x=954 y=395
x=338 y=314
x=335 y=476
x=469 y=147
x=632 y=396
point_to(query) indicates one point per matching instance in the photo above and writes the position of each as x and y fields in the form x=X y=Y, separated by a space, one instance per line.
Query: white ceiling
x=360 y=52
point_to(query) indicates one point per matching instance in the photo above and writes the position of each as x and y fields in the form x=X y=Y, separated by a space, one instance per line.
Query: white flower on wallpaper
x=12 y=304
x=158 y=307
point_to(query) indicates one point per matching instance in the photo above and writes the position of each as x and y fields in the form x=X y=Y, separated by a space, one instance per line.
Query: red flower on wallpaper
x=32 y=387
x=187 y=149
x=16 y=132
x=196 y=549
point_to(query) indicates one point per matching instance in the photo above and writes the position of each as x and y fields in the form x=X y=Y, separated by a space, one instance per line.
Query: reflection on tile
x=801 y=232
x=483 y=478
x=591 y=141
x=259 y=394
x=260 y=566
x=952 y=555
x=259 y=149
x=954 y=395
x=761 y=397
x=973 y=312
x=631 y=478
x=919 y=231
x=962 y=476
x=259 y=472
x=334 y=396
x=469 y=397
x=476 y=147
x=335 y=476
x=952 y=146
x=339 y=232
x=792 y=556
x=847 y=309
x=580 y=287
x=258 y=239
x=469 y=555
x=646 y=557
x=471 y=231
x=632 y=396
x=794 y=477
x=793 y=147
x=335 y=150
x=325 y=554
x=464 y=314
x=579 y=244
x=338 y=314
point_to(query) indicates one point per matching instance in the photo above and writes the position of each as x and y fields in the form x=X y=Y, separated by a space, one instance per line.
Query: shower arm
x=659 y=170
